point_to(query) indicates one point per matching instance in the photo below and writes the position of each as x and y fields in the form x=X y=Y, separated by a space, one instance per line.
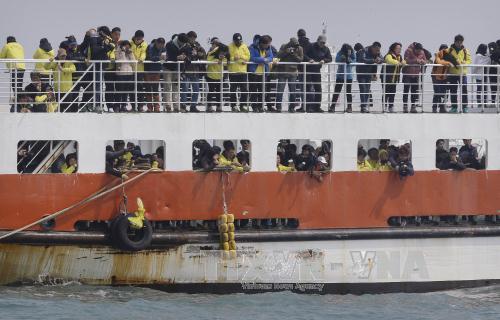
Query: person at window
x=261 y=57
x=480 y=74
x=228 y=158
x=209 y=159
x=239 y=56
x=292 y=53
x=362 y=164
x=468 y=154
x=392 y=72
x=441 y=153
x=125 y=69
x=452 y=161
x=402 y=164
x=112 y=159
x=284 y=168
x=345 y=57
x=306 y=160
x=365 y=73
x=318 y=54
x=320 y=168
x=70 y=164
x=373 y=159
x=159 y=157
x=63 y=81
x=43 y=52
x=458 y=74
x=155 y=53
x=415 y=59
x=14 y=50
x=244 y=155
x=218 y=55
x=383 y=161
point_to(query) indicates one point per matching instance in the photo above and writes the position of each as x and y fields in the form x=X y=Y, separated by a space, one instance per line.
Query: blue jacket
x=257 y=59
x=341 y=58
x=153 y=54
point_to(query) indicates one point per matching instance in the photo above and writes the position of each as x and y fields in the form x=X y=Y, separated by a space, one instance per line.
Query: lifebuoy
x=126 y=238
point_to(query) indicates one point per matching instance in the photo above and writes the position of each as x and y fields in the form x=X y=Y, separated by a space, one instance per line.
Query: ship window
x=382 y=154
x=303 y=155
x=134 y=155
x=222 y=155
x=47 y=156
x=461 y=154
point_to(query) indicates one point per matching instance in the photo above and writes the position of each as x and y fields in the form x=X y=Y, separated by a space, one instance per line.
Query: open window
x=303 y=155
x=134 y=155
x=384 y=155
x=47 y=156
x=222 y=155
x=461 y=154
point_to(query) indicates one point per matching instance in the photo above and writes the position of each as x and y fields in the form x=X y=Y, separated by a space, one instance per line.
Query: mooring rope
x=97 y=195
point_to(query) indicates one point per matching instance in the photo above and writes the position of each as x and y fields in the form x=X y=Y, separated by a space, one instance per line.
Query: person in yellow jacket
x=363 y=164
x=458 y=73
x=383 y=158
x=43 y=52
x=70 y=164
x=14 y=50
x=63 y=78
x=239 y=56
x=283 y=168
x=394 y=63
x=218 y=56
x=139 y=49
x=228 y=158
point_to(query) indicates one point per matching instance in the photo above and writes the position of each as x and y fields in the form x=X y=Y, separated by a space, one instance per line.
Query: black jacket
x=316 y=53
x=172 y=52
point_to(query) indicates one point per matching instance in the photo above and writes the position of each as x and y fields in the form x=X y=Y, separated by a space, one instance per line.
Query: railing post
x=383 y=84
x=459 y=91
x=58 y=88
x=263 y=94
x=345 y=87
x=221 y=93
x=421 y=86
x=178 y=93
x=94 y=86
x=136 y=88
x=101 y=88
x=15 y=87
x=329 y=79
x=304 y=88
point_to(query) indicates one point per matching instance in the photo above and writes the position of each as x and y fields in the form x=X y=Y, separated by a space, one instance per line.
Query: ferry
x=185 y=230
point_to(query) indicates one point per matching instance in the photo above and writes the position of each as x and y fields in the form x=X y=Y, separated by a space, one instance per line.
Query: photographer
x=290 y=52
x=156 y=54
x=346 y=57
x=190 y=78
x=124 y=76
x=402 y=164
x=219 y=55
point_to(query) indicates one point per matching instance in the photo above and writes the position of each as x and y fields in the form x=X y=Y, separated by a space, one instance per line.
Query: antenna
x=324 y=28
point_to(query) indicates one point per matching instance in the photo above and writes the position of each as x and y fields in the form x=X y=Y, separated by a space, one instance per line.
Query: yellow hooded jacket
x=13 y=50
x=42 y=55
x=63 y=80
x=241 y=54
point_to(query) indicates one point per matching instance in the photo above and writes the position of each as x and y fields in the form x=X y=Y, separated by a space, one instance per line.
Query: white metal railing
x=98 y=87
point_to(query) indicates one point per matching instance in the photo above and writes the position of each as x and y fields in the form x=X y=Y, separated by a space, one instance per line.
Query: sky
x=427 y=21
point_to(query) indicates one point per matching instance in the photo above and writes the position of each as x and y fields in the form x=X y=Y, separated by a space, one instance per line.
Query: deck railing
x=97 y=86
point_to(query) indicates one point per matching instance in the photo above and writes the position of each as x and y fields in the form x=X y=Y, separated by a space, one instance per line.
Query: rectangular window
x=134 y=155
x=303 y=155
x=461 y=154
x=384 y=155
x=47 y=156
x=222 y=155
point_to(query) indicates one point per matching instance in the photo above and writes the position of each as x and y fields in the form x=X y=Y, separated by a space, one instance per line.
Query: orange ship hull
x=341 y=200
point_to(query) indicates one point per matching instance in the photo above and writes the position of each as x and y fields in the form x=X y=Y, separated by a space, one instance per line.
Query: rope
x=97 y=195
x=224 y=203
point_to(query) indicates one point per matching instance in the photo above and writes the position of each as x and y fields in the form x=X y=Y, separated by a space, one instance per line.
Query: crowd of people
x=30 y=156
x=387 y=157
x=166 y=74
x=122 y=157
x=209 y=158
x=459 y=159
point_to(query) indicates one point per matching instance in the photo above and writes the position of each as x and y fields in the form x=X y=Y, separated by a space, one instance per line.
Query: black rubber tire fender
x=121 y=240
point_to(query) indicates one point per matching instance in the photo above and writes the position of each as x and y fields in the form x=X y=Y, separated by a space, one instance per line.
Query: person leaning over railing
x=110 y=74
x=171 y=72
x=318 y=54
x=369 y=57
x=63 y=80
x=139 y=48
x=218 y=55
x=155 y=54
x=394 y=63
x=345 y=57
x=440 y=78
x=415 y=59
x=14 y=50
x=290 y=52
x=43 y=52
x=262 y=56
x=239 y=56
x=458 y=74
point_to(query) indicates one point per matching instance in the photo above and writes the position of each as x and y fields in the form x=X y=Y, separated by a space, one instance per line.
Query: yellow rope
x=90 y=198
